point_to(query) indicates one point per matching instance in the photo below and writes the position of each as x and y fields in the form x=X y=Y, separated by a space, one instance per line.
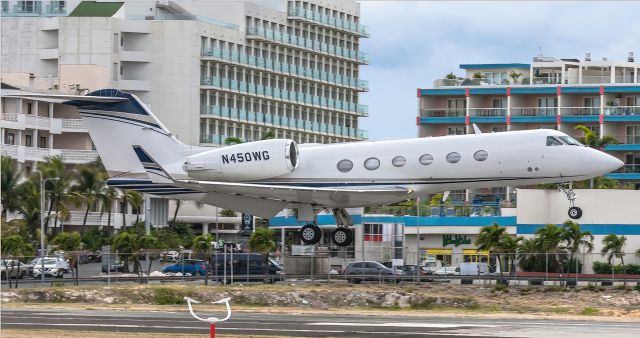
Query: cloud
x=413 y=43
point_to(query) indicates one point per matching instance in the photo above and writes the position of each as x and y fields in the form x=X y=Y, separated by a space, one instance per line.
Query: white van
x=474 y=268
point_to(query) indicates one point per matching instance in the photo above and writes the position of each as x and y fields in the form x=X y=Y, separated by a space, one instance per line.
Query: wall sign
x=455 y=239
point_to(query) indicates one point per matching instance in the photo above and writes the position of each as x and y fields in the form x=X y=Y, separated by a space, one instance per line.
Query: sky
x=413 y=43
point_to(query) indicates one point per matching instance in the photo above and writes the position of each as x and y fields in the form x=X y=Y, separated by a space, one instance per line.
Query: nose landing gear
x=574 y=212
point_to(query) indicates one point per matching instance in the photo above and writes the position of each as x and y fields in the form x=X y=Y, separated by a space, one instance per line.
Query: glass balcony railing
x=627 y=139
x=28 y=8
x=622 y=110
x=56 y=9
x=536 y=80
x=580 y=111
x=534 y=111
x=282 y=94
x=442 y=112
x=301 y=42
x=488 y=111
x=331 y=21
x=286 y=68
x=628 y=169
x=282 y=121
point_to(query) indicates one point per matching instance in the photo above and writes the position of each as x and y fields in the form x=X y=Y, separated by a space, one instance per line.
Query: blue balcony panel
x=622 y=147
x=533 y=90
x=622 y=118
x=580 y=118
x=488 y=119
x=488 y=91
x=622 y=89
x=624 y=176
x=441 y=120
x=580 y=90
x=437 y=92
x=532 y=119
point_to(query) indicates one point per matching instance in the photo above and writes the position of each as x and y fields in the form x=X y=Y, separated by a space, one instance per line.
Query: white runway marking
x=418 y=325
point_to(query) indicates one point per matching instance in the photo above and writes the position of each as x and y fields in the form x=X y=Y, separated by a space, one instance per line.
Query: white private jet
x=264 y=177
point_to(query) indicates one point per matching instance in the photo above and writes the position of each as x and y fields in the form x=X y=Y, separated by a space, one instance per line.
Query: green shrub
x=168 y=296
x=501 y=288
x=589 y=311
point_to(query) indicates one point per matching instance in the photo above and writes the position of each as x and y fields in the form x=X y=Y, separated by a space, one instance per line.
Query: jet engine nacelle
x=244 y=162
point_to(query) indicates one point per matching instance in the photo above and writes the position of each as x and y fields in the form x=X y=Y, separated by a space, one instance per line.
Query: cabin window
x=453 y=157
x=372 y=163
x=552 y=141
x=345 y=166
x=480 y=155
x=426 y=159
x=399 y=161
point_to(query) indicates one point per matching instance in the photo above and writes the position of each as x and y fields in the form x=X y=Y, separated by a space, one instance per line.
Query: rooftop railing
x=536 y=80
x=305 y=43
x=286 y=68
x=283 y=94
x=331 y=21
x=282 y=121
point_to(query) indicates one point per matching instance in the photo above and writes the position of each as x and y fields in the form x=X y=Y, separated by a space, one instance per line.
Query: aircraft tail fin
x=155 y=171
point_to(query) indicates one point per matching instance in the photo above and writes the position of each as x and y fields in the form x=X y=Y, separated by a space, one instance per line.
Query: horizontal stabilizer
x=155 y=172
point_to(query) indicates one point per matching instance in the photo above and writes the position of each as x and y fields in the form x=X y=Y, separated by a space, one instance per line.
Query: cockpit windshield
x=552 y=141
x=570 y=141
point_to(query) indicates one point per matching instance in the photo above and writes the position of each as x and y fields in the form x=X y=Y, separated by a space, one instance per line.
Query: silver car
x=53 y=266
x=12 y=268
x=369 y=270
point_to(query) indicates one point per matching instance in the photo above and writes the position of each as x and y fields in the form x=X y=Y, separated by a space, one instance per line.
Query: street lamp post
x=42 y=233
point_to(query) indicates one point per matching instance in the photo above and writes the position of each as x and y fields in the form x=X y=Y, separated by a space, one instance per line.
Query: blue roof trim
x=488 y=119
x=532 y=119
x=534 y=90
x=494 y=65
x=580 y=90
x=488 y=91
x=614 y=147
x=579 y=118
x=622 y=89
x=624 y=176
x=621 y=118
x=441 y=120
x=443 y=91
x=596 y=229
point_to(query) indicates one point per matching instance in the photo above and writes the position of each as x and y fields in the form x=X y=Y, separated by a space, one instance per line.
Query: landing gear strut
x=574 y=212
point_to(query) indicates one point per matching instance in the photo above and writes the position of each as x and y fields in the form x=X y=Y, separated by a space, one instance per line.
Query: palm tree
x=28 y=195
x=57 y=185
x=510 y=245
x=88 y=189
x=549 y=239
x=137 y=201
x=11 y=175
x=107 y=198
x=613 y=246
x=489 y=239
x=268 y=135
x=528 y=258
x=591 y=139
x=232 y=140
x=576 y=239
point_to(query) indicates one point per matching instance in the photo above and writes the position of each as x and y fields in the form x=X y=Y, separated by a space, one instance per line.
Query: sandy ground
x=93 y=334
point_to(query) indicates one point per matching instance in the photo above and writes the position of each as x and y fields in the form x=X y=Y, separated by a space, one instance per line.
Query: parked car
x=243 y=266
x=474 y=268
x=53 y=266
x=187 y=266
x=115 y=266
x=12 y=268
x=431 y=265
x=447 y=270
x=369 y=270
x=95 y=257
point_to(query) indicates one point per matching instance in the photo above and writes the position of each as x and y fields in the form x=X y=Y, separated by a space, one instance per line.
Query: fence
x=308 y=264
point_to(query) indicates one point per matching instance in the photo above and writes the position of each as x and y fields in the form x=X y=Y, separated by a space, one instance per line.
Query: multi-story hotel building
x=208 y=69
x=548 y=93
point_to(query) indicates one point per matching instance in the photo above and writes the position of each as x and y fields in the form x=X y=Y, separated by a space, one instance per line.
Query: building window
x=399 y=161
x=453 y=157
x=426 y=159
x=345 y=166
x=29 y=108
x=372 y=163
x=11 y=138
x=455 y=131
x=480 y=155
x=43 y=142
x=373 y=232
x=27 y=140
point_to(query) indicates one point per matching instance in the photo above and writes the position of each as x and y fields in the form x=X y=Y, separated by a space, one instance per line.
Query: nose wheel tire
x=575 y=213
x=342 y=237
x=310 y=234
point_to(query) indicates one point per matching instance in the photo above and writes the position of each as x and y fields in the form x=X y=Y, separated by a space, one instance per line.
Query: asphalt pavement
x=316 y=325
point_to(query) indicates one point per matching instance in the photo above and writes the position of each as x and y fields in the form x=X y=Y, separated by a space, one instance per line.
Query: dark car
x=358 y=271
x=187 y=266
x=245 y=266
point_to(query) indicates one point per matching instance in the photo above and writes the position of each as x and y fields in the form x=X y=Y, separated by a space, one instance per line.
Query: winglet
x=156 y=173
x=476 y=130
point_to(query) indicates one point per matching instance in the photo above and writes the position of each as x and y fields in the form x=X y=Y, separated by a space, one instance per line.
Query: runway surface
x=317 y=325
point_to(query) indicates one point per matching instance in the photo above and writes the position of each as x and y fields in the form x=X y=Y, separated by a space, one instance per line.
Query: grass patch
x=560 y=309
x=555 y=288
x=501 y=288
x=168 y=296
x=426 y=304
x=589 y=311
x=592 y=288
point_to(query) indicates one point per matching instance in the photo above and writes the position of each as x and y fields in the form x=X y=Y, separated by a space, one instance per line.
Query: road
x=316 y=325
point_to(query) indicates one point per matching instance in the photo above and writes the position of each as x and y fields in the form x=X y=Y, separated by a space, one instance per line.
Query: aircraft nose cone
x=610 y=163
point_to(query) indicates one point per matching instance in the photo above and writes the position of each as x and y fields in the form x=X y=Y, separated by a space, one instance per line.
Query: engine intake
x=244 y=162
